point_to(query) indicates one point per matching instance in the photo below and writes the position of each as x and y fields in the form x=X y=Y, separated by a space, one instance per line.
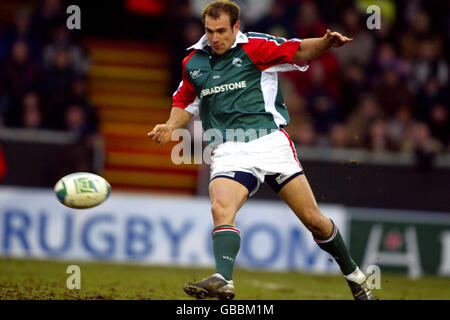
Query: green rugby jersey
x=240 y=89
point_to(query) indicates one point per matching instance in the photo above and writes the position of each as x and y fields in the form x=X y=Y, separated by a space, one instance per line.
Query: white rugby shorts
x=271 y=154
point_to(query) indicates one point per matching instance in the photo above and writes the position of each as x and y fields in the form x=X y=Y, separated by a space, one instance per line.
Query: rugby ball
x=82 y=190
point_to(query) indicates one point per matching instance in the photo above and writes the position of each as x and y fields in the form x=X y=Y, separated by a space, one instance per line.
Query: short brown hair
x=215 y=8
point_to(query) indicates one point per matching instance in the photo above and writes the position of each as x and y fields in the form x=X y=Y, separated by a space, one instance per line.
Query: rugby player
x=231 y=80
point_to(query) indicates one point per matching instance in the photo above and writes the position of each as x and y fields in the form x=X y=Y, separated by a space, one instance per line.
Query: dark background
x=414 y=187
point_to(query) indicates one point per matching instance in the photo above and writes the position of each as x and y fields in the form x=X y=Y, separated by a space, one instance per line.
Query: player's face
x=221 y=35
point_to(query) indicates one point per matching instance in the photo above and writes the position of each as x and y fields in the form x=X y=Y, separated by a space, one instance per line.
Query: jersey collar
x=203 y=42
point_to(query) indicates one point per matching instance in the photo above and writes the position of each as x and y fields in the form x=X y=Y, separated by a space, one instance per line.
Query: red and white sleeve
x=273 y=54
x=185 y=96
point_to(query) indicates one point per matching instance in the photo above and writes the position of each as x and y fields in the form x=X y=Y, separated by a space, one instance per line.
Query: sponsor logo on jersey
x=230 y=174
x=237 y=62
x=196 y=73
x=223 y=88
x=282 y=177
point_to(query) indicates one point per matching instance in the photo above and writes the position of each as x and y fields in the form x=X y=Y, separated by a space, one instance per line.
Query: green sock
x=335 y=246
x=226 y=244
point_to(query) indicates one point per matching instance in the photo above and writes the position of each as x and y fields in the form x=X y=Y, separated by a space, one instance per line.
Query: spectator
x=360 y=50
x=307 y=23
x=354 y=84
x=429 y=64
x=293 y=100
x=428 y=96
x=440 y=123
x=366 y=112
x=420 y=24
x=61 y=39
x=399 y=125
x=408 y=47
x=424 y=146
x=329 y=9
x=251 y=10
x=304 y=134
x=55 y=87
x=76 y=120
x=329 y=75
x=275 y=22
x=20 y=29
x=49 y=14
x=324 y=111
x=385 y=32
x=79 y=120
x=31 y=112
x=378 y=138
x=20 y=74
x=78 y=92
x=79 y=87
x=296 y=104
x=392 y=92
x=387 y=60
x=184 y=31
x=339 y=136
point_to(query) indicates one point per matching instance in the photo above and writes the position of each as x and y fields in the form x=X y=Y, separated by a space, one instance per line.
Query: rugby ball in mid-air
x=82 y=190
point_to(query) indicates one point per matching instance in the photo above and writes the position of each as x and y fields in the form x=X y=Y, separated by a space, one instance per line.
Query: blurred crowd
x=43 y=73
x=385 y=91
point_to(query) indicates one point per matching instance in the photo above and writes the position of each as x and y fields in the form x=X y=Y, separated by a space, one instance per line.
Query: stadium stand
x=129 y=82
x=110 y=82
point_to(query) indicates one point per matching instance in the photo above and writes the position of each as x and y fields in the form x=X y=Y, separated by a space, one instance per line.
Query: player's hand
x=335 y=39
x=161 y=133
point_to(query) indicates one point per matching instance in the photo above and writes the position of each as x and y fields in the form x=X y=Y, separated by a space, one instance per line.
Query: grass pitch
x=44 y=280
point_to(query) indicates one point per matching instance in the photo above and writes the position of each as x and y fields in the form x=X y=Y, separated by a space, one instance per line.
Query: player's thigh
x=227 y=197
x=297 y=194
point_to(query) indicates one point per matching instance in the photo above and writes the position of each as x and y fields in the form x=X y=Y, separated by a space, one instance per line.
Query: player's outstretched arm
x=314 y=47
x=179 y=118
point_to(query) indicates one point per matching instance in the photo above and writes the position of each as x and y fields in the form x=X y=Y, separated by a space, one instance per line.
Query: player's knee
x=313 y=220
x=221 y=213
